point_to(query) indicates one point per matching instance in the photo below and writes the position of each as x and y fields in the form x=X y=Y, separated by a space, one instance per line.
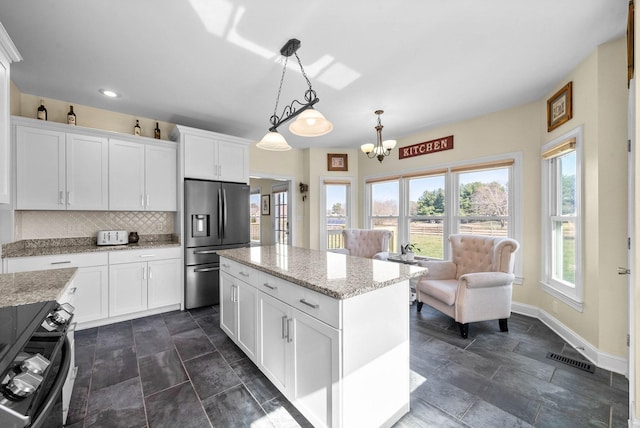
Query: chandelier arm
x=274 y=119
x=304 y=74
x=290 y=111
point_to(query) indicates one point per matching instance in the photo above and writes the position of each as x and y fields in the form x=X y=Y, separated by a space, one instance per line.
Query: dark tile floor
x=180 y=370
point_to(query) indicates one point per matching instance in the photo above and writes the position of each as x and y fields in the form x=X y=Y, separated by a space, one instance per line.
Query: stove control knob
x=24 y=384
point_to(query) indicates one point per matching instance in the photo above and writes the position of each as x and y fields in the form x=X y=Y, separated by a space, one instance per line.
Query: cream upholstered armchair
x=370 y=243
x=475 y=285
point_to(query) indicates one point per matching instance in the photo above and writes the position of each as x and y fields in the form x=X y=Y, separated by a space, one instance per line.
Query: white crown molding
x=601 y=359
x=7 y=46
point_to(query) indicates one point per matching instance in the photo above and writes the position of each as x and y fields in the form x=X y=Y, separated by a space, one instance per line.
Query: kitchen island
x=329 y=330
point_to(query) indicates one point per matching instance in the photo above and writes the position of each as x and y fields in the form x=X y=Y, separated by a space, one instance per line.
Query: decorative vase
x=133 y=238
x=410 y=256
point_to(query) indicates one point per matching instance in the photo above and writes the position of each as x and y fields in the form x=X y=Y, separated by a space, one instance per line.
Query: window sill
x=569 y=300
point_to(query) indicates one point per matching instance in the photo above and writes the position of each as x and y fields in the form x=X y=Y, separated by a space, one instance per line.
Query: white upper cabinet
x=60 y=171
x=212 y=156
x=142 y=176
x=8 y=54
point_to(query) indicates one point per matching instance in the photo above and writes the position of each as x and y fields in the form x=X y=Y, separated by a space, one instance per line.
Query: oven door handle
x=56 y=389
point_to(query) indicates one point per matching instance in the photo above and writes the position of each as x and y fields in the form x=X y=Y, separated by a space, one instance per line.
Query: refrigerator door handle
x=220 y=231
x=224 y=211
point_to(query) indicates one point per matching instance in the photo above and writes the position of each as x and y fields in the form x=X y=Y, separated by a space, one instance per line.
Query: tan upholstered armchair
x=370 y=243
x=475 y=285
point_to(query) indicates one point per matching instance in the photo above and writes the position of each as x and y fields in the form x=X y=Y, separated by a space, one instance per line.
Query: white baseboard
x=601 y=359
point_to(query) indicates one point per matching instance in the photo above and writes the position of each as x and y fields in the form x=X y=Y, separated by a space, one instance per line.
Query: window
x=426 y=214
x=561 y=231
x=425 y=207
x=254 y=215
x=337 y=211
x=384 y=208
x=281 y=216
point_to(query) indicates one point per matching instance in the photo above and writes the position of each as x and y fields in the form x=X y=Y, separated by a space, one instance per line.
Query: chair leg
x=503 y=324
x=464 y=330
x=419 y=307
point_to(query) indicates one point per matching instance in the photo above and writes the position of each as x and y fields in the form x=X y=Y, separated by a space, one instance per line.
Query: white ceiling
x=215 y=64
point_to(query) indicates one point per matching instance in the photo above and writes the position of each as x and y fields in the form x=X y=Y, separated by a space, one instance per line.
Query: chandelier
x=309 y=121
x=381 y=148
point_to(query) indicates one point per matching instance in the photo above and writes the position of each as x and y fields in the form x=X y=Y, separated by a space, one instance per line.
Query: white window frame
x=323 y=209
x=451 y=194
x=572 y=296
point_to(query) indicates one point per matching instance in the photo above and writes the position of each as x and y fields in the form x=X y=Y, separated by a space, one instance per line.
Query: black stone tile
x=461 y=377
x=444 y=396
x=228 y=349
x=484 y=415
x=204 y=311
x=192 y=343
x=619 y=382
x=515 y=361
x=119 y=406
x=161 y=371
x=483 y=366
x=86 y=337
x=152 y=341
x=210 y=324
x=554 y=417
x=424 y=415
x=210 y=374
x=235 y=407
x=114 y=336
x=112 y=367
x=256 y=382
x=178 y=322
x=176 y=407
x=153 y=322
x=283 y=415
x=79 y=424
x=511 y=401
x=591 y=388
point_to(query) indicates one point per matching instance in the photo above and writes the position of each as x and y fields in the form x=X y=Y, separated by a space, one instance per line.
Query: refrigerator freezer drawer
x=202 y=286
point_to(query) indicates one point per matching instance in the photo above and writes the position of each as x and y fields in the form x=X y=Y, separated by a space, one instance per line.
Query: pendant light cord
x=274 y=119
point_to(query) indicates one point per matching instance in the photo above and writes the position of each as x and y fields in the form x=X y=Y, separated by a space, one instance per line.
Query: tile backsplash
x=75 y=224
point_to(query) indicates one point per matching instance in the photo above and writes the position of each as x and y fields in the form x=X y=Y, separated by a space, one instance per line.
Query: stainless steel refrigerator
x=216 y=216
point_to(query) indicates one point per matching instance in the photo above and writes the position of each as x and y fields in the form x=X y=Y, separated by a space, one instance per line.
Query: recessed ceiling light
x=108 y=93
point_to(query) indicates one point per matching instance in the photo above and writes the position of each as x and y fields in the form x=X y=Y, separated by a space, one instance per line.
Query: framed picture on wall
x=265 y=202
x=337 y=162
x=559 y=107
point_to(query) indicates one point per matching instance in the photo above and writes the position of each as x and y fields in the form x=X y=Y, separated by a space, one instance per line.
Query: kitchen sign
x=433 y=146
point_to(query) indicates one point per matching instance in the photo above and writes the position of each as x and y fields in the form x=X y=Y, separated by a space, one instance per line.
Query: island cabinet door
x=315 y=369
x=273 y=339
x=228 y=305
x=247 y=327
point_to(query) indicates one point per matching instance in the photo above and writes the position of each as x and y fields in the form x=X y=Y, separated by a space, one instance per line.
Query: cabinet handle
x=150 y=274
x=148 y=200
x=61 y=263
x=73 y=290
x=142 y=200
x=243 y=273
x=284 y=322
x=270 y=287
x=69 y=198
x=144 y=273
x=146 y=255
x=289 y=339
x=311 y=305
x=225 y=265
x=61 y=197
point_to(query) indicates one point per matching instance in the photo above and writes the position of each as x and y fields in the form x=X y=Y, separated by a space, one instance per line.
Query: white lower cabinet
x=136 y=286
x=301 y=356
x=238 y=313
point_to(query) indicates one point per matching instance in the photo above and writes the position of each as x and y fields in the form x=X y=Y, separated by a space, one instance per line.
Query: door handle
x=623 y=271
x=311 y=305
x=270 y=287
x=284 y=323
x=289 y=339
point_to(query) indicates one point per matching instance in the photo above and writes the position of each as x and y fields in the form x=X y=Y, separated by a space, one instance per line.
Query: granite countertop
x=30 y=287
x=336 y=275
x=47 y=247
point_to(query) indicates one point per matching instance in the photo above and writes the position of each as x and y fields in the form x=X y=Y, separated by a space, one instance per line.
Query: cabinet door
x=232 y=161
x=315 y=369
x=91 y=298
x=126 y=176
x=5 y=163
x=200 y=157
x=273 y=358
x=87 y=173
x=40 y=169
x=160 y=178
x=228 y=304
x=163 y=284
x=127 y=288
x=246 y=319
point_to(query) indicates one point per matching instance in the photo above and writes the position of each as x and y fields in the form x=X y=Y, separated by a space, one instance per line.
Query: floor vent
x=579 y=364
